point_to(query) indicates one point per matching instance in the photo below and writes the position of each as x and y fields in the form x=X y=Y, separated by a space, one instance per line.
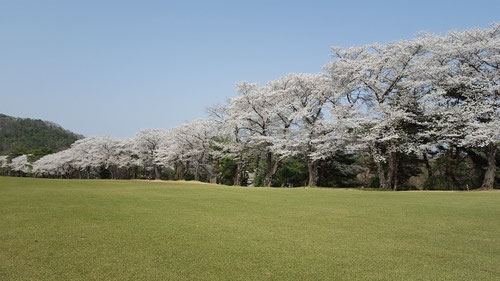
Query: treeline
x=379 y=116
x=37 y=138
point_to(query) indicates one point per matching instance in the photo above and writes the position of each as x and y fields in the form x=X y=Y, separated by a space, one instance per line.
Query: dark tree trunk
x=312 y=168
x=267 y=175
x=390 y=168
x=179 y=172
x=237 y=179
x=134 y=173
x=270 y=169
x=489 y=176
x=448 y=171
x=427 y=165
x=197 y=173
x=381 y=176
x=237 y=175
x=395 y=174
x=384 y=181
x=198 y=168
x=157 y=172
x=367 y=177
x=213 y=179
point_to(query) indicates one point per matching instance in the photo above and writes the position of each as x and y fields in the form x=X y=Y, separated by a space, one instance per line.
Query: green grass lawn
x=138 y=230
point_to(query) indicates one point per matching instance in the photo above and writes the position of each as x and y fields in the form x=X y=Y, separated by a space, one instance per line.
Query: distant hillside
x=24 y=135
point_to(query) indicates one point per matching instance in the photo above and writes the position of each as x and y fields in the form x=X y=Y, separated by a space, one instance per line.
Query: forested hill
x=29 y=136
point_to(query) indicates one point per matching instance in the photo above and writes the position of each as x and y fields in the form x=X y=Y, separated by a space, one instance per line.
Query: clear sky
x=113 y=67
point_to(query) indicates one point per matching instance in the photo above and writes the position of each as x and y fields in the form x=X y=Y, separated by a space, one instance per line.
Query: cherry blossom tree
x=147 y=144
x=3 y=162
x=191 y=148
x=20 y=164
x=58 y=164
x=252 y=113
x=465 y=108
x=232 y=141
x=384 y=80
x=299 y=102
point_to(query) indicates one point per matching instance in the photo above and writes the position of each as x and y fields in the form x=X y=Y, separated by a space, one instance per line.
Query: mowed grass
x=138 y=230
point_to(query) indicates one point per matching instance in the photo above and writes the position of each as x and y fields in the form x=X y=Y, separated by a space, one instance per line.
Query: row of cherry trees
x=185 y=148
x=382 y=102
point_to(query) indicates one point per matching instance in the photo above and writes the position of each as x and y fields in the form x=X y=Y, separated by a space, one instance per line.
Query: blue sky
x=114 y=67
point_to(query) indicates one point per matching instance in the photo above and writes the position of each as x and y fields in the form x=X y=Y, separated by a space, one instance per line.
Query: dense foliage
x=20 y=136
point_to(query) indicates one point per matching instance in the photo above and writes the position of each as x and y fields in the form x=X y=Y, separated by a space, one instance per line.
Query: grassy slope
x=133 y=230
